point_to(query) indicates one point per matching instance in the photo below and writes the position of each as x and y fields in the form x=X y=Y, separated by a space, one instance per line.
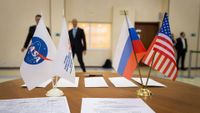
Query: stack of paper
x=95 y=82
x=35 y=105
x=43 y=85
x=150 y=82
x=65 y=83
x=111 y=105
x=122 y=82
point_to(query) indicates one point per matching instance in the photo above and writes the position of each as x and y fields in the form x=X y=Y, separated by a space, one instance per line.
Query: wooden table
x=176 y=98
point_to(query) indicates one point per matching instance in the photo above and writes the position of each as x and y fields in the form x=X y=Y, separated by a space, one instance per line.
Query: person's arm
x=49 y=31
x=84 y=41
x=177 y=44
x=186 y=45
x=28 y=39
x=70 y=37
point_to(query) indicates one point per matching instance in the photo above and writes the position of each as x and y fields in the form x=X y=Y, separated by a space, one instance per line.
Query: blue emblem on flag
x=37 y=52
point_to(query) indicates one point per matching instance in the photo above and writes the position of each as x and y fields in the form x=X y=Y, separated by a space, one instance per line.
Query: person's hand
x=84 y=52
x=23 y=49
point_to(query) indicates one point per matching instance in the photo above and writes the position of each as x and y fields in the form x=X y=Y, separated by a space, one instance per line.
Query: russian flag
x=124 y=61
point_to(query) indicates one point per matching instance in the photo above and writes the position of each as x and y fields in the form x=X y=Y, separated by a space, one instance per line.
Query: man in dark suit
x=78 y=43
x=31 y=32
x=181 y=47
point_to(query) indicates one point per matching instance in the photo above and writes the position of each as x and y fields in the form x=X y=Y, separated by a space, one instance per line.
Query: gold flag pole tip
x=144 y=92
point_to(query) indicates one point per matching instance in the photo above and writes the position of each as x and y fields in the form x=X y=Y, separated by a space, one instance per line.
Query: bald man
x=78 y=43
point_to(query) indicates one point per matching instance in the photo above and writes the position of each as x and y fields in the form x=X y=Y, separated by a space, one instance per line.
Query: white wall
x=184 y=16
x=57 y=13
x=16 y=17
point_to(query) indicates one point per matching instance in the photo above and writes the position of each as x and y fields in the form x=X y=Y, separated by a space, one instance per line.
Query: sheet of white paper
x=151 y=82
x=121 y=82
x=95 y=82
x=86 y=75
x=35 y=105
x=43 y=85
x=117 y=105
x=65 y=83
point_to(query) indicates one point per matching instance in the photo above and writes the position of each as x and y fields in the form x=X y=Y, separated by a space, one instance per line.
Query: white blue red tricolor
x=124 y=59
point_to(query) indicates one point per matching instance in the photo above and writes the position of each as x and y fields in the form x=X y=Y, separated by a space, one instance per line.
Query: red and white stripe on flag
x=164 y=59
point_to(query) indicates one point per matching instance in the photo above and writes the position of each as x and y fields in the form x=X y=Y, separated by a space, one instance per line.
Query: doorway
x=147 y=31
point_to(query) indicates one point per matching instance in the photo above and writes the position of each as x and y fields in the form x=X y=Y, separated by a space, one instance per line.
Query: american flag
x=163 y=52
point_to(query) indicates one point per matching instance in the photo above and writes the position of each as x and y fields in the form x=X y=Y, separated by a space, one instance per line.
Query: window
x=98 y=35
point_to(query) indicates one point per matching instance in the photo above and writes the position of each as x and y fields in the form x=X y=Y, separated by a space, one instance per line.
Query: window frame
x=88 y=39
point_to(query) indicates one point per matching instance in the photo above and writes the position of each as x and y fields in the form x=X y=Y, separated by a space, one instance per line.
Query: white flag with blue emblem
x=64 y=66
x=37 y=66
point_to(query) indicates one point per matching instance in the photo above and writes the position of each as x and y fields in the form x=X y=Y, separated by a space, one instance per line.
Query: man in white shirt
x=181 y=47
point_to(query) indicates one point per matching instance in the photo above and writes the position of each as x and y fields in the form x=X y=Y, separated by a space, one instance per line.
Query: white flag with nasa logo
x=37 y=66
x=64 y=66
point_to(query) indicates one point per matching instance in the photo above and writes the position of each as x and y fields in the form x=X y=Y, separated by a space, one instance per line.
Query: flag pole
x=52 y=81
x=144 y=92
x=55 y=92
x=150 y=70
x=56 y=81
x=56 y=76
x=134 y=51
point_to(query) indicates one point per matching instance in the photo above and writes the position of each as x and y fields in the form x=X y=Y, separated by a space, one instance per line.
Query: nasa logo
x=37 y=52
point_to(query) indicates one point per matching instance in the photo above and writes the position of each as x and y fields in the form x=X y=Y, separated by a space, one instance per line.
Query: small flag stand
x=54 y=92
x=134 y=51
x=162 y=46
x=144 y=92
x=64 y=66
